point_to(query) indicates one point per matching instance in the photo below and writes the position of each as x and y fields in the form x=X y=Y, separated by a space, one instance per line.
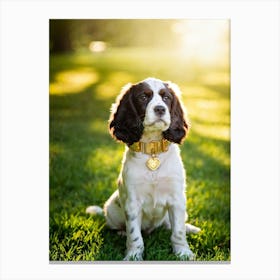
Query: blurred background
x=90 y=61
x=191 y=44
x=188 y=36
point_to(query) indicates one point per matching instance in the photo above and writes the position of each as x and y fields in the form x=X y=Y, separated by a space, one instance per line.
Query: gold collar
x=151 y=148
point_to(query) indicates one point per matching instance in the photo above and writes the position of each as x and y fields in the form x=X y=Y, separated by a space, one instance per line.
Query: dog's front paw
x=134 y=255
x=184 y=253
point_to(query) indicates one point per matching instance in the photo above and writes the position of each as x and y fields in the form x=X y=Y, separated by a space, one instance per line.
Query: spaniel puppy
x=149 y=118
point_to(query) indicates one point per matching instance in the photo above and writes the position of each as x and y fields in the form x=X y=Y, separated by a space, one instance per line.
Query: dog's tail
x=192 y=229
x=95 y=210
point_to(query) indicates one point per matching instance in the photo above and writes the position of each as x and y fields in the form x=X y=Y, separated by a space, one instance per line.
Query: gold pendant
x=153 y=163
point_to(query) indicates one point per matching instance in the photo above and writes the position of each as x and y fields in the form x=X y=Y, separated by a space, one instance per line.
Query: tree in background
x=61 y=36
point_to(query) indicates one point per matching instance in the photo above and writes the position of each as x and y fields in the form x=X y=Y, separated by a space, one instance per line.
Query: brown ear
x=125 y=124
x=179 y=126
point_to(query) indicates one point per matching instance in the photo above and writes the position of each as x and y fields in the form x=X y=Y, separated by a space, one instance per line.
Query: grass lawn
x=85 y=160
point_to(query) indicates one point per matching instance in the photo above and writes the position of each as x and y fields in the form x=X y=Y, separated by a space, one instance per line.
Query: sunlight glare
x=73 y=81
x=97 y=46
x=205 y=41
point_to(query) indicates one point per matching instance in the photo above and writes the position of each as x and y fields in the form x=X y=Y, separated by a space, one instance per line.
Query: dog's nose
x=159 y=110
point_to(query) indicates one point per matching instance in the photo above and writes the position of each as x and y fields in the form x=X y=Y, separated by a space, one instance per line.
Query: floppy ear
x=125 y=123
x=179 y=126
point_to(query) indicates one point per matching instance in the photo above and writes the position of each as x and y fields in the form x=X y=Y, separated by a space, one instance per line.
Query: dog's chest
x=154 y=198
x=159 y=185
x=154 y=191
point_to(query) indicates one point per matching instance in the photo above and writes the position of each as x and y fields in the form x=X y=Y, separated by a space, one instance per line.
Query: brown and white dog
x=150 y=119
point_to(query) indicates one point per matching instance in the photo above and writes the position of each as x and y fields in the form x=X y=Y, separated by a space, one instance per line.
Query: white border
x=254 y=128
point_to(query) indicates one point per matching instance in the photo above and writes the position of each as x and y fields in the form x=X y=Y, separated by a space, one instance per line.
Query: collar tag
x=153 y=163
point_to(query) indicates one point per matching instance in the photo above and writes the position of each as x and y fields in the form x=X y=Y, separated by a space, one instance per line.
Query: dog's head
x=152 y=105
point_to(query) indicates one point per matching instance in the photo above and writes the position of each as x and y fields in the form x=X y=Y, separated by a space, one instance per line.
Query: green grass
x=85 y=161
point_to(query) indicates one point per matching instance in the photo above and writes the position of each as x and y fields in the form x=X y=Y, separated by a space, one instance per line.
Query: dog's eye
x=165 y=98
x=143 y=97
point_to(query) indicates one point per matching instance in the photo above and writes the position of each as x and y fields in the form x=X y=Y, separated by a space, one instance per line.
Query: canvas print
x=139 y=152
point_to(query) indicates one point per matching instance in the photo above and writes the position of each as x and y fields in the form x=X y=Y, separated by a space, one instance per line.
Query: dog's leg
x=178 y=237
x=113 y=212
x=134 y=241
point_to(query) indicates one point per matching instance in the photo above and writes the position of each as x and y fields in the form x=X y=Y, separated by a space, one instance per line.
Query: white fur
x=151 y=122
x=147 y=199
x=94 y=210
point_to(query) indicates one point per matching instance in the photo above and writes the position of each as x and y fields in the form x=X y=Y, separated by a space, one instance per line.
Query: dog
x=150 y=119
